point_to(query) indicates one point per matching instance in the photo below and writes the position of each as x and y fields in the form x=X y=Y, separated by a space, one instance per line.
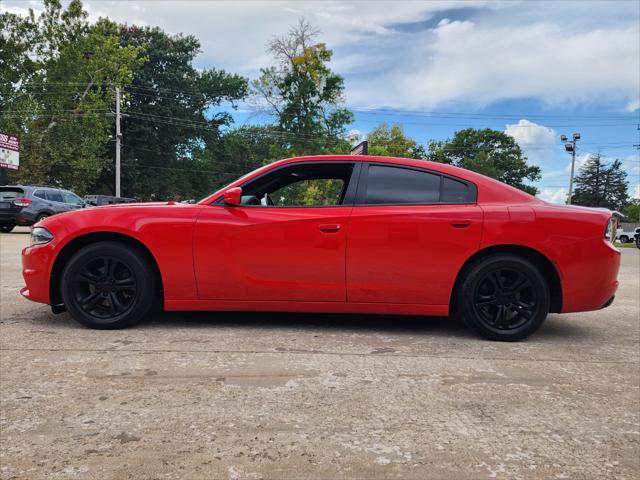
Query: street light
x=571 y=148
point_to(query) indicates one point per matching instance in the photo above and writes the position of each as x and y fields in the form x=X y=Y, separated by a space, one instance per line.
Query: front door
x=285 y=242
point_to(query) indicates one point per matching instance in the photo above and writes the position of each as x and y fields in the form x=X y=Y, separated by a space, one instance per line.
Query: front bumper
x=36 y=271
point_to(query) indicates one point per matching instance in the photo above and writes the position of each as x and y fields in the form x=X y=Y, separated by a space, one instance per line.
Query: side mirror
x=233 y=196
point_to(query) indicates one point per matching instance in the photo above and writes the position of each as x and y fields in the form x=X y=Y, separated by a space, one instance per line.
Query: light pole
x=571 y=148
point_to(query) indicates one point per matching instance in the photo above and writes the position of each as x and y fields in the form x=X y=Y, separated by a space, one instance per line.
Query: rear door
x=410 y=232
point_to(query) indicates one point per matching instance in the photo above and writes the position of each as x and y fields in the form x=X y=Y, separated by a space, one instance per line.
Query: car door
x=410 y=232
x=286 y=242
x=56 y=200
x=72 y=201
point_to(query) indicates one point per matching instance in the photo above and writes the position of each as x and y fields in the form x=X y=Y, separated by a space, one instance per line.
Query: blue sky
x=535 y=69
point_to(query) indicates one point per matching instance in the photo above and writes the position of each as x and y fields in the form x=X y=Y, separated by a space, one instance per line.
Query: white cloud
x=537 y=141
x=416 y=55
x=554 y=195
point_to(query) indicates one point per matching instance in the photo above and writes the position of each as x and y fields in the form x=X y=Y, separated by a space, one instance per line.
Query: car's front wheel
x=503 y=297
x=108 y=285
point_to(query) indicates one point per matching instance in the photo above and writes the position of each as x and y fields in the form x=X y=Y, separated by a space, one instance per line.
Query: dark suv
x=26 y=205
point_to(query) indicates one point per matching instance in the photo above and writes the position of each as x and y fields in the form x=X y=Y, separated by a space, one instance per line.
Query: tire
x=42 y=216
x=624 y=239
x=6 y=228
x=488 y=301
x=108 y=285
x=638 y=241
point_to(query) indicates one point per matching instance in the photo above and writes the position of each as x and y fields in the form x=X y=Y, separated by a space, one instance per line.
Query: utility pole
x=118 y=139
x=571 y=148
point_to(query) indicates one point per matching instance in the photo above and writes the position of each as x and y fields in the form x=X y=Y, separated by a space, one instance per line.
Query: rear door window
x=397 y=186
x=454 y=191
x=54 y=196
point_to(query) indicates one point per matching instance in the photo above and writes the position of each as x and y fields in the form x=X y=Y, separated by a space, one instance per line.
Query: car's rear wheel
x=6 y=228
x=503 y=297
x=624 y=239
x=42 y=216
x=108 y=285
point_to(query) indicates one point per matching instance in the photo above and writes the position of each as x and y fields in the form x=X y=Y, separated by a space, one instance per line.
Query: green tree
x=60 y=99
x=601 y=183
x=302 y=92
x=167 y=116
x=391 y=141
x=489 y=152
x=632 y=210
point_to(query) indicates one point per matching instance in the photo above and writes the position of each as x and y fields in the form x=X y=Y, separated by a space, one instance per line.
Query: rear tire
x=624 y=239
x=108 y=285
x=42 y=216
x=502 y=297
x=6 y=228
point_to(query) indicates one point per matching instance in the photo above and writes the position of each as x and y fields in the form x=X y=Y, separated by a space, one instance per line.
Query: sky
x=534 y=69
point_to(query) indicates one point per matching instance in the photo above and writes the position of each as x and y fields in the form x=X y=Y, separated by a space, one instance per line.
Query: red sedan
x=342 y=234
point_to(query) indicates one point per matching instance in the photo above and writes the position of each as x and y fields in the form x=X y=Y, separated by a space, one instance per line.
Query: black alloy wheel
x=503 y=297
x=108 y=285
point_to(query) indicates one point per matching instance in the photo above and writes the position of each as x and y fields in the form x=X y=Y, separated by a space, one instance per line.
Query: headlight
x=40 y=235
x=609 y=230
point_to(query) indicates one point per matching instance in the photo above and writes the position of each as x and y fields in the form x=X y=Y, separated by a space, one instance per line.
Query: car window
x=454 y=191
x=40 y=194
x=71 y=198
x=10 y=193
x=303 y=185
x=54 y=196
x=396 y=185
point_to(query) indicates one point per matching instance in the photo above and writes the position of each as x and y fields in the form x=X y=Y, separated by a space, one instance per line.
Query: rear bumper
x=592 y=283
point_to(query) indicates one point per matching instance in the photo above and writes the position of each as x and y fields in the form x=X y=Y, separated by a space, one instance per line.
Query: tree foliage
x=391 y=141
x=601 y=183
x=632 y=211
x=61 y=102
x=302 y=92
x=489 y=152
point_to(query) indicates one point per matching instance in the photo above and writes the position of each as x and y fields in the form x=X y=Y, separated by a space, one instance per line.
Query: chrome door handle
x=332 y=228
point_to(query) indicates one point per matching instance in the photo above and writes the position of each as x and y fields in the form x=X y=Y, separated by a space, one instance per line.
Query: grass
x=625 y=245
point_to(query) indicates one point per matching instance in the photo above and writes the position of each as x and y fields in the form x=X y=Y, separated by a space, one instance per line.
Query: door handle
x=460 y=223
x=330 y=228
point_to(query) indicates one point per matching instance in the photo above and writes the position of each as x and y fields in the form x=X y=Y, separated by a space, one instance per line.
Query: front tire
x=108 y=285
x=503 y=297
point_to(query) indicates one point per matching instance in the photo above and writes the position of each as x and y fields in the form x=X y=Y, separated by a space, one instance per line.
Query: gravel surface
x=219 y=395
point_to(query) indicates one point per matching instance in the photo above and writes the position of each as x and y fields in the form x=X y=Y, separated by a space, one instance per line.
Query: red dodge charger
x=342 y=234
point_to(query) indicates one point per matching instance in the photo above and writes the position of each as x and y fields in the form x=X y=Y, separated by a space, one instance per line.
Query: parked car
x=97 y=200
x=333 y=234
x=26 y=205
x=626 y=236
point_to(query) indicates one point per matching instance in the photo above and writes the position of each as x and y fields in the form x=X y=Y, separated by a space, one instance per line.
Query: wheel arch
x=86 y=239
x=545 y=265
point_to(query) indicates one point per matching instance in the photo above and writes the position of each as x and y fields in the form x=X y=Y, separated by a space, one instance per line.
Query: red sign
x=9 y=151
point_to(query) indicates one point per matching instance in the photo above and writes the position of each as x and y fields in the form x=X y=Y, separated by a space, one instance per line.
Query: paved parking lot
x=218 y=395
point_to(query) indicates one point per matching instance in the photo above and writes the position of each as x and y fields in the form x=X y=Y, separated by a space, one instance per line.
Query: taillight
x=22 y=202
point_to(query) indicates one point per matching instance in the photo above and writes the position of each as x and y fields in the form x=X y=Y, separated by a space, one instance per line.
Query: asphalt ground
x=220 y=395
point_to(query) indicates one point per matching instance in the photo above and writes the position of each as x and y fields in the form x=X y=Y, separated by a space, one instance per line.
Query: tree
x=489 y=152
x=600 y=183
x=392 y=142
x=302 y=92
x=167 y=116
x=632 y=211
x=61 y=95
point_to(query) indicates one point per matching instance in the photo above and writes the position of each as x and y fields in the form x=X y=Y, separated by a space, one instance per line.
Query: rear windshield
x=9 y=193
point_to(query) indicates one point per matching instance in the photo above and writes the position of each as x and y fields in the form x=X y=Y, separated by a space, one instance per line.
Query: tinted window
x=40 y=194
x=54 y=196
x=454 y=191
x=400 y=185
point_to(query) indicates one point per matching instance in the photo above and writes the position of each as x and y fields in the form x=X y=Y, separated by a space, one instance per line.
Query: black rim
x=505 y=299
x=105 y=287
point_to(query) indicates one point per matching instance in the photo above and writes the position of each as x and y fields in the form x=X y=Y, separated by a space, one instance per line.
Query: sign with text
x=9 y=151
